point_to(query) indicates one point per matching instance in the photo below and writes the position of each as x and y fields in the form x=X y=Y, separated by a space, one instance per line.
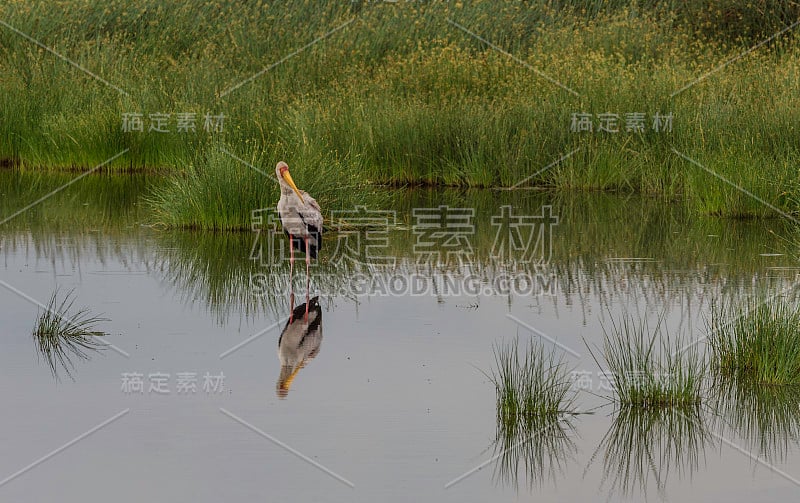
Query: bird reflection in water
x=299 y=342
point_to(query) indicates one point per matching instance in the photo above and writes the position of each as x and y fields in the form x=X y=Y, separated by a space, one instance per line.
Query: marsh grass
x=534 y=412
x=219 y=192
x=401 y=96
x=60 y=336
x=648 y=367
x=758 y=340
x=530 y=383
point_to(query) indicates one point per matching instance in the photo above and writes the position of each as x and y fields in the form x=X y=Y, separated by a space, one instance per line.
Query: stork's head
x=285 y=179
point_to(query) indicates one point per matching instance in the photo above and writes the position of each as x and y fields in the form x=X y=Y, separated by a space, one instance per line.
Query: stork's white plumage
x=301 y=216
x=299 y=342
x=301 y=219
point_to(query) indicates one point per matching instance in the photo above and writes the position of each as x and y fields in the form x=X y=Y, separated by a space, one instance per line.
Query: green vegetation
x=529 y=384
x=219 y=192
x=757 y=341
x=534 y=412
x=60 y=335
x=650 y=369
x=402 y=95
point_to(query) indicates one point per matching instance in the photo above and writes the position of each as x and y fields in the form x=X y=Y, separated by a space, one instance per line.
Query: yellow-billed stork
x=301 y=219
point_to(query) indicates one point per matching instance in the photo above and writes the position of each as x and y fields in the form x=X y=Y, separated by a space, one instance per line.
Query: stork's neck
x=285 y=189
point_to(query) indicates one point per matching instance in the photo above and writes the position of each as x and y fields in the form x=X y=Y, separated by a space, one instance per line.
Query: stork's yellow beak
x=286 y=176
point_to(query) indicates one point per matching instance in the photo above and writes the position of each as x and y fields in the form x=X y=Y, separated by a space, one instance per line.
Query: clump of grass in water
x=759 y=341
x=529 y=384
x=533 y=396
x=650 y=368
x=60 y=336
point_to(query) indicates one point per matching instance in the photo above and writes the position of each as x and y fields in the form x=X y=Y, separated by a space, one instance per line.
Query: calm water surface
x=395 y=406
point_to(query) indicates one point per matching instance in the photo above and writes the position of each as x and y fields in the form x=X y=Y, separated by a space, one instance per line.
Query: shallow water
x=395 y=406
